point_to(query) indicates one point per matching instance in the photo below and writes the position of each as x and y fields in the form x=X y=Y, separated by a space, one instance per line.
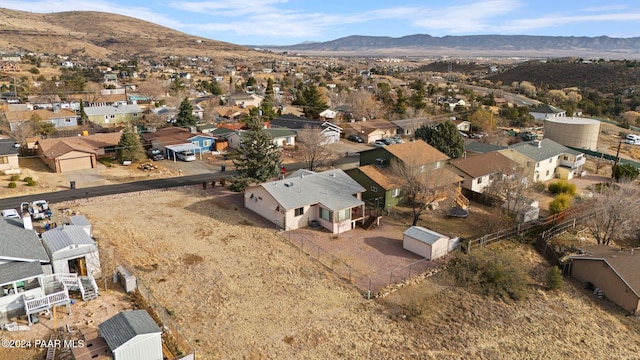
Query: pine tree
x=129 y=147
x=185 y=114
x=259 y=158
x=311 y=99
x=266 y=107
x=445 y=137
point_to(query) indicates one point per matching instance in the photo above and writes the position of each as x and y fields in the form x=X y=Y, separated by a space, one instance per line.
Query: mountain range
x=105 y=35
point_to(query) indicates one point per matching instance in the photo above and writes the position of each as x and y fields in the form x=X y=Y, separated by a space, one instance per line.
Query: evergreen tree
x=266 y=107
x=400 y=107
x=185 y=114
x=311 y=99
x=445 y=137
x=129 y=147
x=259 y=158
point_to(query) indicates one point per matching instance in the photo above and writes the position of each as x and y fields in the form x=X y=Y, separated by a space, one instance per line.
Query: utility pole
x=613 y=169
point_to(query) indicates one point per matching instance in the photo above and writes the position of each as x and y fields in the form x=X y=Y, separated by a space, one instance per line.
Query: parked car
x=155 y=154
x=39 y=209
x=10 y=213
x=379 y=143
x=186 y=155
x=632 y=139
x=355 y=138
x=397 y=139
x=388 y=141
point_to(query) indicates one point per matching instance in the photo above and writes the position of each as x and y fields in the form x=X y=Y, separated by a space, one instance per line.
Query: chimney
x=537 y=143
x=192 y=129
x=26 y=221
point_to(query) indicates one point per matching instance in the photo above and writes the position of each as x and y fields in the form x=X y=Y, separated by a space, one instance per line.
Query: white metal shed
x=425 y=242
x=72 y=250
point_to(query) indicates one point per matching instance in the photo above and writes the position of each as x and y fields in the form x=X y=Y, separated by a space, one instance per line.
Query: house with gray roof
x=9 y=157
x=281 y=137
x=546 y=112
x=72 y=250
x=330 y=199
x=132 y=335
x=545 y=159
x=331 y=132
x=113 y=114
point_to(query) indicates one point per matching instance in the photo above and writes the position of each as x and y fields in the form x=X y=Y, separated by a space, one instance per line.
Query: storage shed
x=132 y=335
x=72 y=250
x=81 y=220
x=425 y=242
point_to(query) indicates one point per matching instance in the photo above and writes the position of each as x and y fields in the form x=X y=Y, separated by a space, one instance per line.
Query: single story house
x=371 y=130
x=60 y=118
x=281 y=137
x=615 y=272
x=479 y=171
x=243 y=100
x=408 y=127
x=330 y=131
x=171 y=140
x=330 y=199
x=132 y=335
x=72 y=250
x=113 y=114
x=74 y=153
x=546 y=111
x=426 y=243
x=9 y=157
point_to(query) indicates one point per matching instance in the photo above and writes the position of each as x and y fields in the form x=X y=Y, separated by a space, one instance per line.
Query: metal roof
x=67 y=241
x=539 y=150
x=112 y=110
x=18 y=270
x=18 y=243
x=125 y=326
x=334 y=189
x=424 y=235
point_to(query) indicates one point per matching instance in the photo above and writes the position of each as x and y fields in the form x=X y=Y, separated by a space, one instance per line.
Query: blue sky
x=286 y=22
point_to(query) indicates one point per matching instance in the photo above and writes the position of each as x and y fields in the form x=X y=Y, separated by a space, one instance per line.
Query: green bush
x=27 y=179
x=31 y=183
x=12 y=185
x=554 y=278
x=560 y=202
x=625 y=172
x=238 y=184
x=491 y=272
x=562 y=187
x=14 y=177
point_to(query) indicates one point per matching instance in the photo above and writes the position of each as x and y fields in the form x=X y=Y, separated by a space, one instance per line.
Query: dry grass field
x=239 y=290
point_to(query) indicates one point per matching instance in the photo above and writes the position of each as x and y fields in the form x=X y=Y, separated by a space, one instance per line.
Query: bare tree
x=510 y=188
x=153 y=87
x=312 y=145
x=422 y=187
x=616 y=208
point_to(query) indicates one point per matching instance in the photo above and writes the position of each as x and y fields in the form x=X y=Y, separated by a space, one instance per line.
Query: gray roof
x=126 y=325
x=334 y=189
x=18 y=270
x=112 y=110
x=547 y=149
x=295 y=122
x=546 y=109
x=7 y=147
x=18 y=243
x=424 y=235
x=478 y=147
x=59 y=242
x=80 y=220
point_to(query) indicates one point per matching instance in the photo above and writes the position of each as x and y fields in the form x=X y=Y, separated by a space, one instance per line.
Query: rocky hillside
x=103 y=35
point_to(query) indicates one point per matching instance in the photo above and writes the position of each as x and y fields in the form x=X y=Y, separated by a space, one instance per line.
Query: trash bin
x=223 y=168
x=72 y=184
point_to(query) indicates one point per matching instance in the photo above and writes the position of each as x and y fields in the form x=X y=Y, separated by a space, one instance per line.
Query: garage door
x=75 y=164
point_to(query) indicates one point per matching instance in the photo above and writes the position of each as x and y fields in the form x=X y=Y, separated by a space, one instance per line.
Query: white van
x=632 y=139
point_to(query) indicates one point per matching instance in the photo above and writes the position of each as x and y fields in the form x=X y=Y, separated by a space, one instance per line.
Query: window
x=196 y=143
x=374 y=189
x=479 y=180
x=4 y=159
x=395 y=192
x=135 y=114
x=342 y=215
x=112 y=116
x=550 y=161
x=299 y=211
x=67 y=120
x=206 y=143
x=547 y=172
x=565 y=157
x=325 y=214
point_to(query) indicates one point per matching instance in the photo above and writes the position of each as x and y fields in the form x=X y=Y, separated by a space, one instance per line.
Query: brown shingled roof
x=626 y=263
x=485 y=164
x=53 y=148
x=172 y=135
x=381 y=176
x=416 y=153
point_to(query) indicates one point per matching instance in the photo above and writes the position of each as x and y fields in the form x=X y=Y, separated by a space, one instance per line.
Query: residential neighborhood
x=273 y=206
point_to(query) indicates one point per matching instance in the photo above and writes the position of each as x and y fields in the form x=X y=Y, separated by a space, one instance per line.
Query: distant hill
x=103 y=35
x=478 y=45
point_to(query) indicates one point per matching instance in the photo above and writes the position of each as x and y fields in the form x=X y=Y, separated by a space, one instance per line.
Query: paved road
x=89 y=192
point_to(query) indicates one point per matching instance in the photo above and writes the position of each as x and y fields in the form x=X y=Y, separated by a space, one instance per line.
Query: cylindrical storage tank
x=574 y=132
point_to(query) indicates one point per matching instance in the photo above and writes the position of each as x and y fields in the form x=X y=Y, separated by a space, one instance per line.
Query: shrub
x=491 y=272
x=560 y=202
x=238 y=184
x=562 y=187
x=27 y=179
x=14 y=177
x=12 y=185
x=625 y=172
x=223 y=181
x=554 y=278
x=31 y=183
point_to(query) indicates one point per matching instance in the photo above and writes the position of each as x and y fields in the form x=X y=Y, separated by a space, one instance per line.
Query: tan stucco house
x=74 y=153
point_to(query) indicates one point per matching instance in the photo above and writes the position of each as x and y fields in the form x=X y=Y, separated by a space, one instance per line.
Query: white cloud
x=562 y=20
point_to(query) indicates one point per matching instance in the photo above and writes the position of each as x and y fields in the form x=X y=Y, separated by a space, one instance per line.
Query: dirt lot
x=239 y=290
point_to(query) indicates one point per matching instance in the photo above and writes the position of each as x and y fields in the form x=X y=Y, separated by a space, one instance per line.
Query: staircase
x=370 y=222
x=460 y=199
x=88 y=288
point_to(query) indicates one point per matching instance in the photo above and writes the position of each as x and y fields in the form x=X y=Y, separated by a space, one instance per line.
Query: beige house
x=371 y=130
x=329 y=199
x=9 y=157
x=74 y=153
x=615 y=272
